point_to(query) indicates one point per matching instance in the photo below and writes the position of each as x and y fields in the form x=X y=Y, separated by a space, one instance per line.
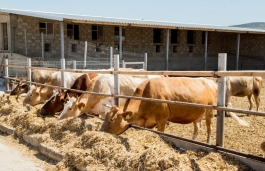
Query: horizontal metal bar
x=153 y=100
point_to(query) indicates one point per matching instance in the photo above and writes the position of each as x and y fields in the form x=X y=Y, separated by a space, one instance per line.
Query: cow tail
x=240 y=121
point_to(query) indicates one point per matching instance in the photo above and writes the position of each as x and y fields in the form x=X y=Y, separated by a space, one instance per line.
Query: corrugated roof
x=128 y=22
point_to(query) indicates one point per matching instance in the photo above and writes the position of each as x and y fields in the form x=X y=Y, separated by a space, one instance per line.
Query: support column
x=62 y=39
x=205 y=50
x=222 y=58
x=26 y=45
x=116 y=80
x=167 y=46
x=120 y=42
x=237 y=50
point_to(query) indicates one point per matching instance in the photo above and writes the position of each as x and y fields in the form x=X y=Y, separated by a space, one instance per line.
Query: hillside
x=254 y=25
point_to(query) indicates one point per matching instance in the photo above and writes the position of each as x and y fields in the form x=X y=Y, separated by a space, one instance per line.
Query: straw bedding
x=84 y=146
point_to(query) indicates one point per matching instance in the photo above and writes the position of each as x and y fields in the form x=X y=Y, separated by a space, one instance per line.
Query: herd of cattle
x=142 y=113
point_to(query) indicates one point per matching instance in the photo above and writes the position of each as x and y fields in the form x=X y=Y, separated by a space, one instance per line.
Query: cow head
x=37 y=95
x=20 y=88
x=54 y=104
x=72 y=108
x=116 y=121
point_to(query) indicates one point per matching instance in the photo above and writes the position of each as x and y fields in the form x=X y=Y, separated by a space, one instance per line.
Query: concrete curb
x=30 y=139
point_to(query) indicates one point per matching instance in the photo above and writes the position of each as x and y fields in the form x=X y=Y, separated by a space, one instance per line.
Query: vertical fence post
x=62 y=73
x=123 y=64
x=237 y=50
x=222 y=58
x=26 y=46
x=85 y=54
x=167 y=46
x=74 y=64
x=111 y=56
x=42 y=46
x=145 y=61
x=116 y=79
x=6 y=74
x=205 y=50
x=29 y=70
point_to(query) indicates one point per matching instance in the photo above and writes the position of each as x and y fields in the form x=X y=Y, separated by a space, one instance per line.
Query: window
x=190 y=37
x=47 y=47
x=116 y=34
x=97 y=32
x=175 y=49
x=157 y=36
x=203 y=38
x=158 y=48
x=73 y=31
x=46 y=29
x=74 y=47
x=174 y=36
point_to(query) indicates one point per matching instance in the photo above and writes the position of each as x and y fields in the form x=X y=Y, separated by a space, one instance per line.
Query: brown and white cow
x=91 y=103
x=241 y=86
x=20 y=87
x=150 y=114
x=57 y=101
x=39 y=94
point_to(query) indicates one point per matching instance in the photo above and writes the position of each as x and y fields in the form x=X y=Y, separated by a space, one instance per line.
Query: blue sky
x=213 y=12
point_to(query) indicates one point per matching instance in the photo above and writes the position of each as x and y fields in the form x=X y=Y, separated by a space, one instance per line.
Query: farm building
x=169 y=46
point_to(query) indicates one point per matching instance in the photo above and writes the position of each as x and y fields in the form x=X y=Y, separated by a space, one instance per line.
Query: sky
x=212 y=12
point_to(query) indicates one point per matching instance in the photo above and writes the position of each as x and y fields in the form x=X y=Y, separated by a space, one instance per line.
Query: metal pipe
x=26 y=45
x=111 y=56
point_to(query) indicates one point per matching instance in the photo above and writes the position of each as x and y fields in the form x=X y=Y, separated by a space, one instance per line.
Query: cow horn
x=106 y=105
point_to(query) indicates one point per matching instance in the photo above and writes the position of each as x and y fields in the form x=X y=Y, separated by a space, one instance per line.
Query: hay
x=84 y=146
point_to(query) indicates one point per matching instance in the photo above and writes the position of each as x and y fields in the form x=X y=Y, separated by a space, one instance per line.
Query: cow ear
x=81 y=106
x=24 y=86
x=127 y=115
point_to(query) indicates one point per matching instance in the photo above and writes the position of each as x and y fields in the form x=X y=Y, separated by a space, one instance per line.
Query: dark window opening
x=74 y=47
x=5 y=36
x=47 y=47
x=157 y=36
x=73 y=31
x=190 y=49
x=97 y=32
x=174 y=36
x=190 y=37
x=158 y=48
x=47 y=29
x=175 y=49
x=117 y=47
x=203 y=37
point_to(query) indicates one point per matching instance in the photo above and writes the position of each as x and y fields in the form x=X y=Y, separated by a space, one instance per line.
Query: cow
x=57 y=101
x=241 y=86
x=39 y=94
x=149 y=114
x=90 y=103
x=39 y=76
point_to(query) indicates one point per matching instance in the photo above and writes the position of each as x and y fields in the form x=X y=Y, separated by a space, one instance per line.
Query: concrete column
x=62 y=39
x=167 y=46
x=237 y=50
x=222 y=58
x=205 y=50
x=120 y=42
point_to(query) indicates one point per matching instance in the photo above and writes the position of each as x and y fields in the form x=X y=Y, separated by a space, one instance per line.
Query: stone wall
x=139 y=40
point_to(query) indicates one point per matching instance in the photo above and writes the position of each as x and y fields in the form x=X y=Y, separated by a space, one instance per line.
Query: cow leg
x=250 y=101
x=208 y=118
x=257 y=100
x=161 y=124
x=197 y=125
